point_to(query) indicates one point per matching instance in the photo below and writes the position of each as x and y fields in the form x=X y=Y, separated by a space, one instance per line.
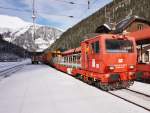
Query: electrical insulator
x=88 y=4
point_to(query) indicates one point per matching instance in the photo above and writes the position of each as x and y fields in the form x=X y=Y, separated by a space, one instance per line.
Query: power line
x=30 y=11
x=41 y=12
x=68 y=16
x=38 y=11
x=87 y=9
x=15 y=9
x=91 y=3
x=94 y=2
x=70 y=2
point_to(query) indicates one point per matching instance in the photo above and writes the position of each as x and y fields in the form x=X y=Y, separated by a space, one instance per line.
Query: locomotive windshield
x=119 y=46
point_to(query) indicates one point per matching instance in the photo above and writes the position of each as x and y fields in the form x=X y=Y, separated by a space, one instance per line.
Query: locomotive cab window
x=119 y=46
x=95 y=47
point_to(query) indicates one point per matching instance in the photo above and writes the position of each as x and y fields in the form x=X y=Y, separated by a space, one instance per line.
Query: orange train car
x=142 y=37
x=48 y=55
x=107 y=61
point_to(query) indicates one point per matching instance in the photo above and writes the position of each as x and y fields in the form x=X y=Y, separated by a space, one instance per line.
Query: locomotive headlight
x=107 y=75
x=111 y=67
x=131 y=73
x=131 y=66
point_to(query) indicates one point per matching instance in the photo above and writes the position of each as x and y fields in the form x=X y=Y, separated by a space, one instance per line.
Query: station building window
x=139 y=26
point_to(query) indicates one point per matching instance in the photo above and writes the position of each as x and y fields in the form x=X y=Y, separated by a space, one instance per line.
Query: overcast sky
x=52 y=13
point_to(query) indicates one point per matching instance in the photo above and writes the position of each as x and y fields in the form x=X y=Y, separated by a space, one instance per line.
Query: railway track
x=7 y=72
x=134 y=97
x=139 y=92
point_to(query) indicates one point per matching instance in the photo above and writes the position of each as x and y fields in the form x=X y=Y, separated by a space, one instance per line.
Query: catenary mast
x=33 y=17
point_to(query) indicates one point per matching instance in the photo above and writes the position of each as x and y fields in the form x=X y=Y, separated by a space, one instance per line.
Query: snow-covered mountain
x=19 y=32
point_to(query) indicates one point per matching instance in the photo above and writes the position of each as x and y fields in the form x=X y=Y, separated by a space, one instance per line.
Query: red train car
x=142 y=38
x=37 y=57
x=107 y=61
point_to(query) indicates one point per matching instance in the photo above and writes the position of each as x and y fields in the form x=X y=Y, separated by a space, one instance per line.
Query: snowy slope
x=20 y=32
x=10 y=23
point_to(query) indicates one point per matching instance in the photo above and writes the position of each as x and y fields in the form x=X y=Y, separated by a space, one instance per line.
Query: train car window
x=95 y=47
x=74 y=58
x=119 y=46
x=70 y=59
x=78 y=59
x=65 y=59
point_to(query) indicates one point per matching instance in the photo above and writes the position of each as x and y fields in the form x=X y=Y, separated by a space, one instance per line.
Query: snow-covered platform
x=41 y=89
x=7 y=65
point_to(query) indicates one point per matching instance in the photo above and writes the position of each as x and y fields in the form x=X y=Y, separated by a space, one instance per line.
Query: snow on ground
x=136 y=98
x=7 y=65
x=41 y=89
x=141 y=87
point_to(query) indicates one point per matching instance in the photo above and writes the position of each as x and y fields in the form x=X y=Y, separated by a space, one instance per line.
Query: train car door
x=84 y=55
x=94 y=55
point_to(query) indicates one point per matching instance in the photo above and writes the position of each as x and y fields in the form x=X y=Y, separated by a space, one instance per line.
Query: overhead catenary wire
x=44 y=12
x=38 y=11
x=15 y=9
x=30 y=11
x=94 y=2
x=70 y=2
x=90 y=3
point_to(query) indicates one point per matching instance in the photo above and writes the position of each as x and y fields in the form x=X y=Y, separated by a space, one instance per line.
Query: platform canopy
x=142 y=36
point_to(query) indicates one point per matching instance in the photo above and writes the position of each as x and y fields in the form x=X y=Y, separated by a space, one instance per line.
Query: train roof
x=107 y=36
x=72 y=51
x=121 y=25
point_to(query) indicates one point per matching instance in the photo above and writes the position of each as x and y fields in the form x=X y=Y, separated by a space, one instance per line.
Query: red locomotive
x=107 y=61
x=142 y=38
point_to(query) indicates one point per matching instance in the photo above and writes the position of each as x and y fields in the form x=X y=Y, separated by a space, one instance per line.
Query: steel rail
x=127 y=100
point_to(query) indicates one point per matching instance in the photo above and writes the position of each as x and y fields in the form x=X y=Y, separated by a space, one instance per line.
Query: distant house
x=129 y=24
